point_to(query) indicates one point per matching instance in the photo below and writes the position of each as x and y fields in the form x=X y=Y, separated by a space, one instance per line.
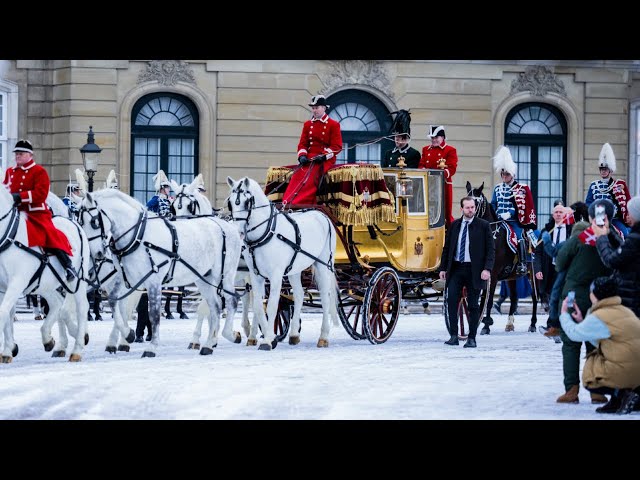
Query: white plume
x=607 y=158
x=82 y=182
x=160 y=178
x=502 y=161
x=112 y=180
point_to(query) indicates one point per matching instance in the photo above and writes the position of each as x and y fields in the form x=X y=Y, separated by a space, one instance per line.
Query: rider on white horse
x=29 y=185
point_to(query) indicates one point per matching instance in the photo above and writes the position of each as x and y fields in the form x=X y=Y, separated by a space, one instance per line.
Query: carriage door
x=536 y=135
x=364 y=120
x=164 y=136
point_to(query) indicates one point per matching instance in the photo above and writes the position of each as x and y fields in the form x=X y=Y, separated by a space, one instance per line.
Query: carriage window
x=436 y=198
x=416 y=203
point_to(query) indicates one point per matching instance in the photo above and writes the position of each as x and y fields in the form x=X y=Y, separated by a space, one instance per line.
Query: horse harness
x=270 y=231
x=9 y=238
x=173 y=256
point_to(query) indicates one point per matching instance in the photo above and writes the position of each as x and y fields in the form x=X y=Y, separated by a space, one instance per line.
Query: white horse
x=104 y=274
x=281 y=244
x=189 y=201
x=18 y=266
x=151 y=251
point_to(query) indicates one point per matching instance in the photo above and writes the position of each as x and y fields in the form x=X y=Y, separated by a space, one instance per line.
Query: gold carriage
x=391 y=225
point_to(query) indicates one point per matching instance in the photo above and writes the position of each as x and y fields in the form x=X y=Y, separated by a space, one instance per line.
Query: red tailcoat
x=444 y=157
x=31 y=181
x=319 y=137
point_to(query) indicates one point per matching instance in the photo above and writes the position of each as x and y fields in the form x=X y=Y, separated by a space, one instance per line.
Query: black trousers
x=167 y=304
x=143 y=316
x=458 y=277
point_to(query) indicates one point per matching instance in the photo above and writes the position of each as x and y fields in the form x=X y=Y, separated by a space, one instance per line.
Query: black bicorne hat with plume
x=401 y=123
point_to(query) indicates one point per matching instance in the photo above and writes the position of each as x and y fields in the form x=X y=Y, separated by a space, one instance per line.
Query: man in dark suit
x=467 y=260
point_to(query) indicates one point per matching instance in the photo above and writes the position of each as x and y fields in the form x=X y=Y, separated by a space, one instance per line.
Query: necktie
x=558 y=228
x=463 y=242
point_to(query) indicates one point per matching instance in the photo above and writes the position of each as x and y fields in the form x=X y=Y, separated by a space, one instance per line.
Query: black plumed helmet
x=401 y=123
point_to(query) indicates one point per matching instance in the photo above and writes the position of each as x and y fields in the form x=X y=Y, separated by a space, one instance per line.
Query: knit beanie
x=634 y=207
x=604 y=287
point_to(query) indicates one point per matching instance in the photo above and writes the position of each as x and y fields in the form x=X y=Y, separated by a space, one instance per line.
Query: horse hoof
x=322 y=343
x=74 y=357
x=265 y=346
x=131 y=337
x=4 y=359
x=294 y=340
x=206 y=351
x=193 y=346
x=488 y=321
x=123 y=348
x=49 y=345
x=59 y=354
x=532 y=328
x=509 y=328
x=15 y=350
x=485 y=331
x=237 y=337
x=252 y=342
x=86 y=339
x=148 y=354
x=110 y=349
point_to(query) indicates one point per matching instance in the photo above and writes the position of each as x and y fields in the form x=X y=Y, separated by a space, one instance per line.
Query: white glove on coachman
x=505 y=215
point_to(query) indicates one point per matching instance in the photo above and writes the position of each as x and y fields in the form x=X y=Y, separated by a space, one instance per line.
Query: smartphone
x=600 y=214
x=571 y=298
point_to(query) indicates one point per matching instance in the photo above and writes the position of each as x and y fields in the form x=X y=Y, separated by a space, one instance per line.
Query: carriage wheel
x=463 y=314
x=350 y=313
x=381 y=306
x=283 y=316
x=283 y=319
x=463 y=310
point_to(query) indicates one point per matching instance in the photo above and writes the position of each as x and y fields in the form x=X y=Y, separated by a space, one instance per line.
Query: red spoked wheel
x=381 y=305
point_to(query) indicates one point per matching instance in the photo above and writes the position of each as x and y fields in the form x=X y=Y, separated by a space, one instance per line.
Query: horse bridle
x=481 y=203
x=194 y=205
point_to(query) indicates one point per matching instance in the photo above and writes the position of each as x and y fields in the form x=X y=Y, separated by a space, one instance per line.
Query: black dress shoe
x=452 y=341
x=139 y=340
x=71 y=273
x=169 y=315
x=611 y=406
x=470 y=343
x=148 y=339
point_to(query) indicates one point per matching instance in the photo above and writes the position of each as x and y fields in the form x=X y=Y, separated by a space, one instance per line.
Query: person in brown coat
x=613 y=367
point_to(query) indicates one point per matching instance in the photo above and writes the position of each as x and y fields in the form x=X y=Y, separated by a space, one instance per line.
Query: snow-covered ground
x=412 y=376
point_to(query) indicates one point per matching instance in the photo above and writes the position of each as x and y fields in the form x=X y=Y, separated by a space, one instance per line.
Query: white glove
x=505 y=215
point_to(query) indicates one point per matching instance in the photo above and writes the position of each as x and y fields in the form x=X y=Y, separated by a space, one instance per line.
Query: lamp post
x=90 y=155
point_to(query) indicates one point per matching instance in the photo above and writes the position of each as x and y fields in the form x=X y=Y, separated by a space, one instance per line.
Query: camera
x=600 y=214
x=571 y=298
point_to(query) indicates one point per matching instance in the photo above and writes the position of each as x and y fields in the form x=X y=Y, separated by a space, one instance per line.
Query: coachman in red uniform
x=29 y=186
x=445 y=157
x=321 y=137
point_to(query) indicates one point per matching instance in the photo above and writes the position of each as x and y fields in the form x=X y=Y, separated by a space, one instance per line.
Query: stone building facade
x=248 y=114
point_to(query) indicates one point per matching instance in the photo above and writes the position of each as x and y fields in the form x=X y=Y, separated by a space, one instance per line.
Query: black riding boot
x=521 y=267
x=65 y=261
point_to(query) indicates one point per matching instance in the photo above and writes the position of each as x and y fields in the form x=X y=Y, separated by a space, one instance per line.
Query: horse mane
x=111 y=192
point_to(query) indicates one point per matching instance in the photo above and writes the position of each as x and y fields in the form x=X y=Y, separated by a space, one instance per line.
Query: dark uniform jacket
x=410 y=154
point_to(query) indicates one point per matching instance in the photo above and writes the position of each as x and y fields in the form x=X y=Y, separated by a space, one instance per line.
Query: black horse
x=504 y=265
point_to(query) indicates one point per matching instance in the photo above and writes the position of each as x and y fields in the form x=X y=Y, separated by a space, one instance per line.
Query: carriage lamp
x=404 y=185
x=90 y=155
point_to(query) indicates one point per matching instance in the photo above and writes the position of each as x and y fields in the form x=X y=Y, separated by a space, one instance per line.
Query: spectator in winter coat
x=624 y=257
x=613 y=368
x=580 y=258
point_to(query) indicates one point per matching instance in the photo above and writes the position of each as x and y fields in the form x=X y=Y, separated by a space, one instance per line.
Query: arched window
x=536 y=135
x=164 y=136
x=363 y=121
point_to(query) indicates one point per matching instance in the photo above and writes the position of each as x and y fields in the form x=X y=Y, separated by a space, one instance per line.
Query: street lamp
x=90 y=155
